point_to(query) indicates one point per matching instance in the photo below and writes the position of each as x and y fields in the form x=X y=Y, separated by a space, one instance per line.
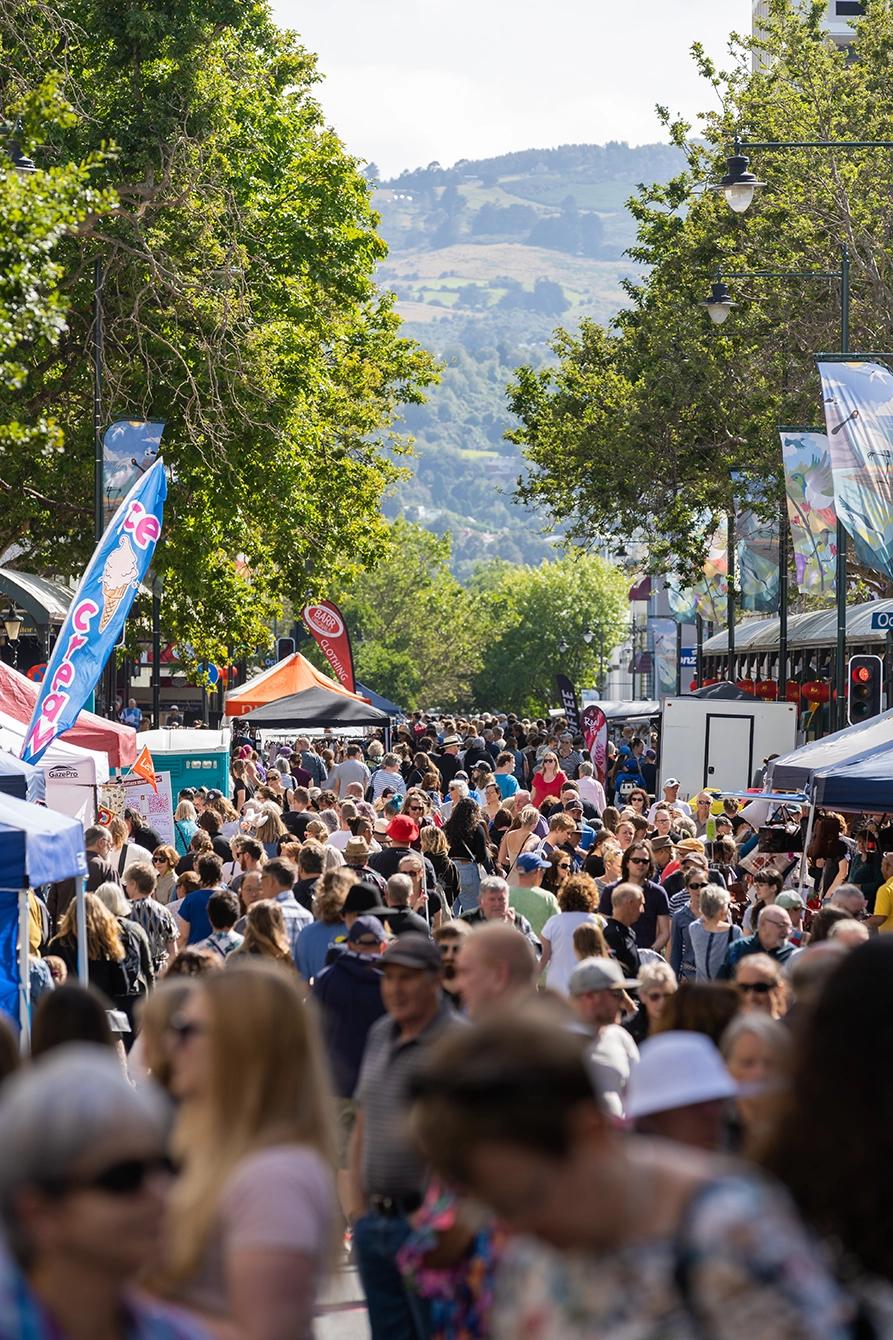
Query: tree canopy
x=239 y=247
x=640 y=427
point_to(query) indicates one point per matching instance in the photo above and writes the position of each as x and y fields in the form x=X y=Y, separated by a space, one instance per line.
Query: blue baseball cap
x=529 y=861
x=366 y=925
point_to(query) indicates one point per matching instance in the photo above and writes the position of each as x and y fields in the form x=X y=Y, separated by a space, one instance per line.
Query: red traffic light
x=861 y=674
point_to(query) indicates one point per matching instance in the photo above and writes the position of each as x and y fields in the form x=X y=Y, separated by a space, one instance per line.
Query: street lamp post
x=718 y=307
x=738 y=187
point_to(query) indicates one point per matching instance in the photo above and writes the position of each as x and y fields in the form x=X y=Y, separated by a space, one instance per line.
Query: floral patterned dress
x=742 y=1267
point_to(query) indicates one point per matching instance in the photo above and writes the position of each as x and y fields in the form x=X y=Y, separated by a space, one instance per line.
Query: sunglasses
x=159 y=860
x=761 y=988
x=638 y=860
x=415 y=809
x=367 y=940
x=449 y=948
x=697 y=886
x=119 y=1179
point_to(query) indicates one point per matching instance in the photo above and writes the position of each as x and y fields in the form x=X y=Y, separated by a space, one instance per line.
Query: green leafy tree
x=239 y=304
x=639 y=428
x=418 y=636
x=532 y=610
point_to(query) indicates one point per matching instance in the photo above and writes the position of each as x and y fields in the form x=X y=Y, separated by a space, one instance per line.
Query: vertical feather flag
x=809 y=488
x=858 y=401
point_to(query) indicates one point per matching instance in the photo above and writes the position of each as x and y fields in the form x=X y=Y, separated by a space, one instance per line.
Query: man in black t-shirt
x=627 y=905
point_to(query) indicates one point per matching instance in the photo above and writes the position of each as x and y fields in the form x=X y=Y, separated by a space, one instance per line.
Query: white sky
x=409 y=81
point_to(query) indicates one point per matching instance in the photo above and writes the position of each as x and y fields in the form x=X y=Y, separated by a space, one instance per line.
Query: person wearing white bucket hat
x=679 y=1090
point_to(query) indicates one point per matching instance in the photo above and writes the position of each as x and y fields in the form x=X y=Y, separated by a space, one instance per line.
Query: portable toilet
x=192 y=757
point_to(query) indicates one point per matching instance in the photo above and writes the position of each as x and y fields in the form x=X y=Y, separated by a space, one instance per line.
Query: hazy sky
x=408 y=81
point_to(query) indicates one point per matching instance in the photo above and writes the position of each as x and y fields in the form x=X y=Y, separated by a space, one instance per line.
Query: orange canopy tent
x=18 y=696
x=293 y=675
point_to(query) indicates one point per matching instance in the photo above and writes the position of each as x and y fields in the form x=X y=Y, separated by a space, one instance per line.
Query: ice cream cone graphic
x=118 y=575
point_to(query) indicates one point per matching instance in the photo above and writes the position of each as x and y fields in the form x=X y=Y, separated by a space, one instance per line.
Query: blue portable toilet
x=192 y=757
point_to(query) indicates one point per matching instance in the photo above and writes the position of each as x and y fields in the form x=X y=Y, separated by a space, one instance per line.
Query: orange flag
x=144 y=768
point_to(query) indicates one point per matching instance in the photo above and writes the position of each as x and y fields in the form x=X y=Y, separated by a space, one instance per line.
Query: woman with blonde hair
x=105 y=945
x=270 y=829
x=265 y=935
x=185 y=825
x=519 y=838
x=123 y=853
x=252 y=1214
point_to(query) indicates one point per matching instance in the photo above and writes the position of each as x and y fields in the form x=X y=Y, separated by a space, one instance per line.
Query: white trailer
x=709 y=742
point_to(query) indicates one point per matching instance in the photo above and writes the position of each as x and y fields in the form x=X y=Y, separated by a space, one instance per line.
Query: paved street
x=343 y=1309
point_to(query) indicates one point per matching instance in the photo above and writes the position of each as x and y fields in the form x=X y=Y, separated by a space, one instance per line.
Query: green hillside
x=486 y=259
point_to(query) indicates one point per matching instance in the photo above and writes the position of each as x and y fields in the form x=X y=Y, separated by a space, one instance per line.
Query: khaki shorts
x=346 y=1110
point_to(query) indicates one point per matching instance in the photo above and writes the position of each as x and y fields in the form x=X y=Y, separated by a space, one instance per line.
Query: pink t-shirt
x=282 y=1197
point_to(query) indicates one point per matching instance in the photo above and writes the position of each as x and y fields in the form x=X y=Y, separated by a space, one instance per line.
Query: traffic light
x=866 y=681
x=285 y=646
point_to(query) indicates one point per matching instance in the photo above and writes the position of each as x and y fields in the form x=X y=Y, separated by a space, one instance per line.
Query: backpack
x=126 y=976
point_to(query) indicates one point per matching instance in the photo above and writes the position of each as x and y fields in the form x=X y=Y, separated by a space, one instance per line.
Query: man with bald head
x=497 y=969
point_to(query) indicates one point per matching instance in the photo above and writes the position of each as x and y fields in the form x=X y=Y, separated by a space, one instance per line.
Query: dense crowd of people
x=543 y=1054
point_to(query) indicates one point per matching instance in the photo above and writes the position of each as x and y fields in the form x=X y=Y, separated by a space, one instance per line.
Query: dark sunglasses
x=564 y=865
x=119 y=1179
x=761 y=988
x=697 y=886
x=638 y=860
x=160 y=860
x=415 y=809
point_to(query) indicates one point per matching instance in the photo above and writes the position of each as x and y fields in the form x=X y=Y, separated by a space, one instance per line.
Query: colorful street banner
x=809 y=487
x=98 y=611
x=712 y=592
x=326 y=622
x=757 y=554
x=128 y=450
x=567 y=696
x=663 y=638
x=859 y=417
x=682 y=602
x=595 y=732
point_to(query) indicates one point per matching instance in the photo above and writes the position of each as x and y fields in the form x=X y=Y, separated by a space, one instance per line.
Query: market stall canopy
x=856 y=787
x=59 y=754
x=18 y=696
x=627 y=710
x=285 y=679
x=32 y=780
x=725 y=691
x=38 y=846
x=795 y=771
x=314 y=709
x=382 y=704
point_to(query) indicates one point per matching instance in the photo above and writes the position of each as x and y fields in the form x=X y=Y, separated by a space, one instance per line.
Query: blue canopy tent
x=855 y=787
x=21 y=779
x=382 y=704
x=795 y=771
x=37 y=846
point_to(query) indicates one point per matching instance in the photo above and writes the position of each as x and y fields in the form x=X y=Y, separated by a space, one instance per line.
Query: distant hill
x=486 y=258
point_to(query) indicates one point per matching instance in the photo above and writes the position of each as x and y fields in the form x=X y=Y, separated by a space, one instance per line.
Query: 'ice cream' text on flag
x=98 y=611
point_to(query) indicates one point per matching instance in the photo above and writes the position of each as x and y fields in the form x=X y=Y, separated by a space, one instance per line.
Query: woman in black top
x=467 y=841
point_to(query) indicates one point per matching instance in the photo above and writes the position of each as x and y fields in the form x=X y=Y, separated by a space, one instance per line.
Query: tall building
x=837 y=23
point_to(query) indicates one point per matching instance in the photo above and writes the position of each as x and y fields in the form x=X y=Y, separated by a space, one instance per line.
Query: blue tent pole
x=24 y=973
x=81 y=913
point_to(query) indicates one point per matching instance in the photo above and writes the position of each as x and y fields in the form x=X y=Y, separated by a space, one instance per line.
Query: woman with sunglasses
x=657 y=983
x=548 y=781
x=637 y=801
x=252 y=1215
x=560 y=868
x=714 y=930
x=83 y=1185
x=164 y=861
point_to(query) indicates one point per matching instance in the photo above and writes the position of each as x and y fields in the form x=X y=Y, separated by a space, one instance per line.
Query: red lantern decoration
x=815 y=692
x=767 y=689
x=792 y=691
x=747 y=685
x=692 y=686
x=710 y=681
